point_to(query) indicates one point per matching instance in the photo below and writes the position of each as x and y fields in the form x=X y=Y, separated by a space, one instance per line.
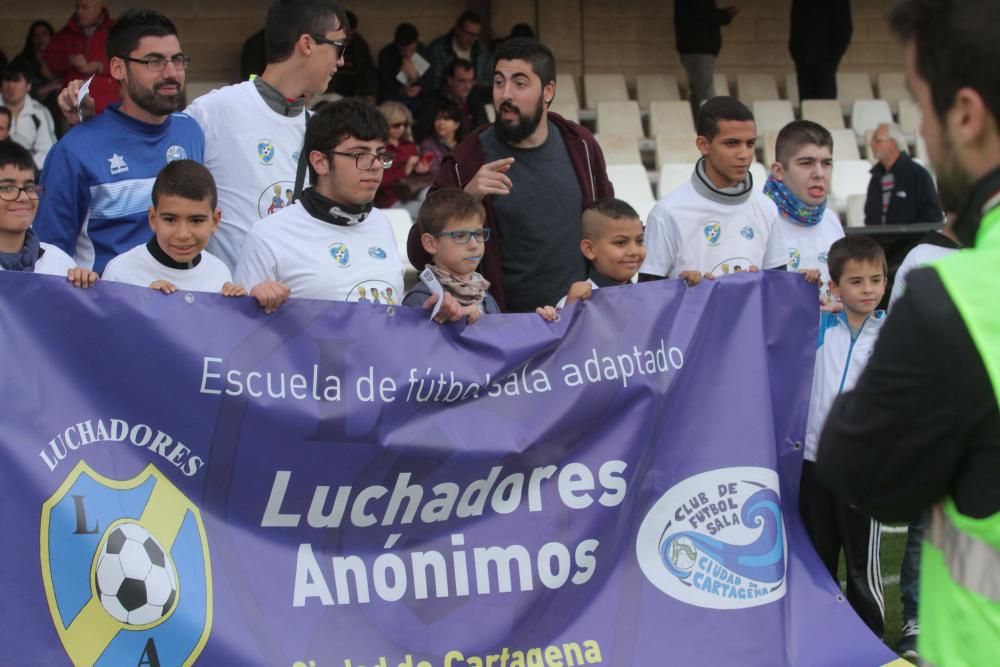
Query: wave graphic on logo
x=762 y=560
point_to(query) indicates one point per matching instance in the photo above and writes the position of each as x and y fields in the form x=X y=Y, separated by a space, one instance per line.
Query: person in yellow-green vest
x=922 y=427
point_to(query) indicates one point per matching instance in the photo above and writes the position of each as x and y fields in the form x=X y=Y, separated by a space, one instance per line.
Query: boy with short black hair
x=799 y=185
x=717 y=222
x=613 y=242
x=183 y=218
x=453 y=232
x=20 y=249
x=846 y=339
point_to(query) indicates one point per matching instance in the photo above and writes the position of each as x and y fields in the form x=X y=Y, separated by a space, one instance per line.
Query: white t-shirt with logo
x=808 y=246
x=321 y=260
x=686 y=231
x=252 y=151
x=54 y=262
x=139 y=267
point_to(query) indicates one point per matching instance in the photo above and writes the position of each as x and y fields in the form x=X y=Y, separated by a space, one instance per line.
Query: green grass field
x=893 y=544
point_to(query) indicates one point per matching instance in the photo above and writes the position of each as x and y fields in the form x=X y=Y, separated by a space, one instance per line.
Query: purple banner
x=348 y=485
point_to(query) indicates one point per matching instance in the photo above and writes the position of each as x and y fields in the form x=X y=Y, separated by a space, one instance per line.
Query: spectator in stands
x=459 y=89
x=698 y=31
x=78 y=51
x=900 y=191
x=447 y=133
x=404 y=70
x=98 y=178
x=31 y=123
x=5 y=120
x=332 y=244
x=395 y=189
x=44 y=84
x=535 y=172
x=819 y=35
x=253 y=56
x=20 y=247
x=517 y=30
x=462 y=41
x=717 y=222
x=357 y=77
x=921 y=428
x=800 y=186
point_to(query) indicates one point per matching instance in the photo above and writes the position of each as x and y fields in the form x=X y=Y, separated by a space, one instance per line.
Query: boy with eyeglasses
x=20 y=249
x=332 y=243
x=453 y=232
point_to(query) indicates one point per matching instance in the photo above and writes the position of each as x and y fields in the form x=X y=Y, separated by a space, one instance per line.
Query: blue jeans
x=909 y=571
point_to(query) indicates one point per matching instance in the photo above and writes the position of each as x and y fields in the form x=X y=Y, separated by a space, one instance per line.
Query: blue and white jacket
x=99 y=180
x=840 y=358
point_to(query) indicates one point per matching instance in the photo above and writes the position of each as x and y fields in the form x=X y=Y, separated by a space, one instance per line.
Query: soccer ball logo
x=135 y=577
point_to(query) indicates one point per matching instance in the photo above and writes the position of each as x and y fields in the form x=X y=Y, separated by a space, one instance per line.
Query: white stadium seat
x=631 y=182
x=772 y=115
x=651 y=88
x=853 y=86
x=856 y=210
x=753 y=87
x=566 y=90
x=619 y=148
x=604 y=88
x=892 y=88
x=721 y=84
x=670 y=118
x=845 y=145
x=567 y=111
x=868 y=115
x=825 y=112
x=850 y=177
x=759 y=173
x=676 y=148
x=621 y=117
x=672 y=175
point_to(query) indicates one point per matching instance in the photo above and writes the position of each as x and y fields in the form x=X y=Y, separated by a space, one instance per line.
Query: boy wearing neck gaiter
x=799 y=185
x=718 y=222
x=453 y=232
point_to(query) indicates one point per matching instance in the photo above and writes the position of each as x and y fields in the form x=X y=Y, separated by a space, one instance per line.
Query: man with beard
x=535 y=172
x=98 y=179
x=922 y=426
x=254 y=130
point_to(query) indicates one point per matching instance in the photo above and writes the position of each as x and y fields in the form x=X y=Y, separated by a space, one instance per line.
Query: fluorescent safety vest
x=960 y=566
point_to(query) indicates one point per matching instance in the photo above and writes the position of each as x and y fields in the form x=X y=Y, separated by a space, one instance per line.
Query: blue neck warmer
x=791 y=206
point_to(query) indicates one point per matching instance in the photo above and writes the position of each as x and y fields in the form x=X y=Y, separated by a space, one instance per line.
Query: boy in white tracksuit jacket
x=846 y=340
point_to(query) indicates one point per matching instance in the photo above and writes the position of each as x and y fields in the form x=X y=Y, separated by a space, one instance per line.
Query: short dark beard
x=953 y=183
x=148 y=100
x=526 y=126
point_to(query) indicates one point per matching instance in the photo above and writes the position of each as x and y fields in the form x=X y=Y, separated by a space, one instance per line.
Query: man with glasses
x=334 y=245
x=462 y=41
x=99 y=177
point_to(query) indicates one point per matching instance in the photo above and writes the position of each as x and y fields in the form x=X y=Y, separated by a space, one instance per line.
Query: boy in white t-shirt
x=799 y=185
x=331 y=243
x=20 y=249
x=613 y=241
x=718 y=222
x=183 y=217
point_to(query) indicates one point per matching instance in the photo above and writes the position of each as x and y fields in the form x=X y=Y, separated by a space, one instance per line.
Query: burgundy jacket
x=458 y=168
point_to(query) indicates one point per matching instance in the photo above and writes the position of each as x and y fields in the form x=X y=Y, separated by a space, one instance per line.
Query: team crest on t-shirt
x=747 y=233
x=794 y=258
x=341 y=255
x=713 y=232
x=374 y=291
x=176 y=152
x=732 y=265
x=822 y=257
x=265 y=151
x=376 y=253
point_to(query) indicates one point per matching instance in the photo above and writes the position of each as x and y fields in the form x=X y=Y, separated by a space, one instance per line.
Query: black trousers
x=817 y=79
x=834 y=525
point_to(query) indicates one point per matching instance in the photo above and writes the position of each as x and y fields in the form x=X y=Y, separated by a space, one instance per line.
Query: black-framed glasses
x=367 y=161
x=10 y=192
x=462 y=236
x=340 y=45
x=157 y=64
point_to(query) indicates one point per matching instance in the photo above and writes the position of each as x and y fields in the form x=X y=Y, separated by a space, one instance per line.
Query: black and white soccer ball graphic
x=135 y=577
